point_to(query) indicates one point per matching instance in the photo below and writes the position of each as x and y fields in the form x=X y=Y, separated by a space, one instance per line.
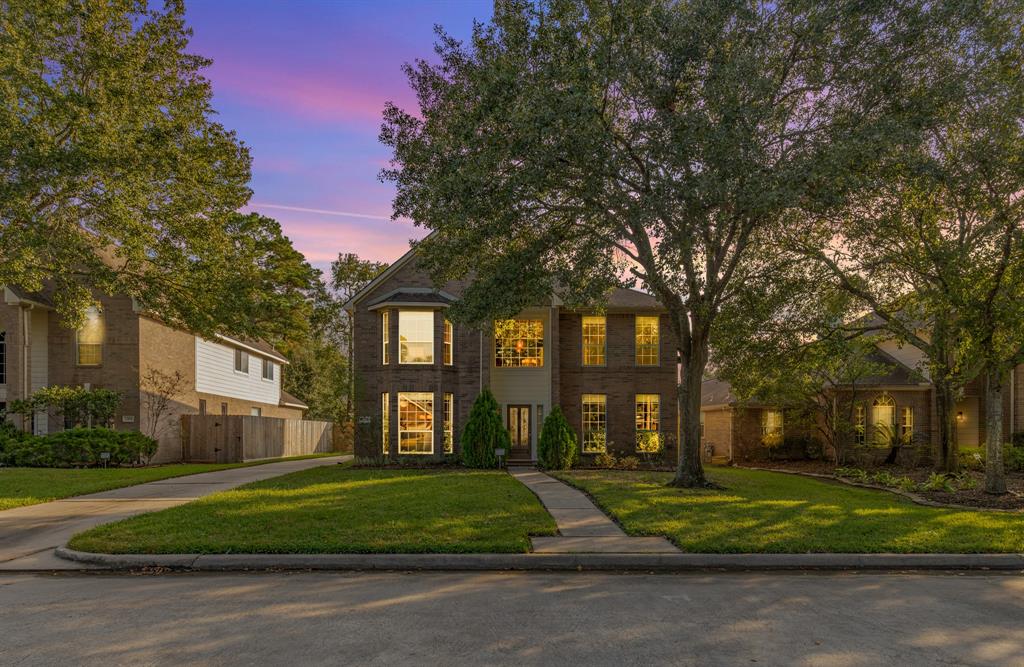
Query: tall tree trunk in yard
x=693 y=354
x=945 y=408
x=995 y=475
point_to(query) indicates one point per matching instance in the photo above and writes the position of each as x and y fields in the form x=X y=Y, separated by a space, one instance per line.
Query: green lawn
x=774 y=512
x=341 y=510
x=29 y=486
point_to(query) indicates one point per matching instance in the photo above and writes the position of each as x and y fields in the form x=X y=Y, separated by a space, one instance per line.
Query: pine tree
x=558 y=448
x=483 y=433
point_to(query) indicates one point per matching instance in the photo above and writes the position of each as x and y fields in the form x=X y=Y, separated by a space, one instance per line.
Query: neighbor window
x=385 y=328
x=647 y=341
x=256 y=412
x=595 y=422
x=416 y=336
x=3 y=357
x=702 y=427
x=416 y=423
x=594 y=340
x=268 y=369
x=883 y=419
x=449 y=342
x=90 y=338
x=519 y=343
x=647 y=418
x=241 y=361
x=859 y=424
x=771 y=423
x=907 y=425
x=385 y=421
x=449 y=423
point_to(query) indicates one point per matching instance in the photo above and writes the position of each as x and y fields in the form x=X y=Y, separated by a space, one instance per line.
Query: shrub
x=557 y=448
x=1017 y=439
x=972 y=458
x=78 y=447
x=605 y=460
x=937 y=482
x=484 y=432
x=629 y=463
x=1013 y=458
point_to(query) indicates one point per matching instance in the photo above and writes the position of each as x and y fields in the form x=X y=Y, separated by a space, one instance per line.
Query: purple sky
x=304 y=84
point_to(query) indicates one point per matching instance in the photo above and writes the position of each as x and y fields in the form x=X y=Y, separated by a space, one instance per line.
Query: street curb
x=555 y=562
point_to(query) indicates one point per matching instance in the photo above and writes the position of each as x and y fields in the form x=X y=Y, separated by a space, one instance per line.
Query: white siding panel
x=215 y=374
x=906 y=354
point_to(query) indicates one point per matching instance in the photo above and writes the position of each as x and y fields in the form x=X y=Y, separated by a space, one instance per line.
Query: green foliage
x=937 y=482
x=1013 y=459
x=605 y=460
x=80 y=406
x=628 y=463
x=558 y=448
x=483 y=433
x=1017 y=439
x=648 y=442
x=77 y=447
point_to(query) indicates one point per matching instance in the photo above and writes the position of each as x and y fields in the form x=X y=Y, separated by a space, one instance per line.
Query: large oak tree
x=570 y=144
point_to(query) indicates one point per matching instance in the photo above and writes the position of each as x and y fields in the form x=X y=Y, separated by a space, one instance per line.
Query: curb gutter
x=622 y=562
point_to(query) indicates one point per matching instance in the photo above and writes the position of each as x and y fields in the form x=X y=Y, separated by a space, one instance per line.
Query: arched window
x=883 y=418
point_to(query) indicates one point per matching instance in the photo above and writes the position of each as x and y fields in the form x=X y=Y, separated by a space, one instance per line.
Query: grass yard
x=764 y=512
x=338 y=509
x=30 y=486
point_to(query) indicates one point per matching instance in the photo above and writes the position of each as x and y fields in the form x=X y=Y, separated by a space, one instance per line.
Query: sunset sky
x=304 y=84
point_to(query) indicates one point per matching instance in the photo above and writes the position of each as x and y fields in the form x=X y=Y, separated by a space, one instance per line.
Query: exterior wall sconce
x=960 y=416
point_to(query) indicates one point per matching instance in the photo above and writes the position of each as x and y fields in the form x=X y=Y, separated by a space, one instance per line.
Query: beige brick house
x=612 y=372
x=115 y=349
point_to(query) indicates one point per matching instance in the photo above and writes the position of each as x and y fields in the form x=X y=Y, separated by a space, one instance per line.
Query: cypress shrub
x=558 y=448
x=484 y=432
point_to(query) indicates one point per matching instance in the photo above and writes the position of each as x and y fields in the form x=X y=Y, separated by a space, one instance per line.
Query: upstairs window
x=594 y=340
x=449 y=342
x=647 y=339
x=595 y=423
x=89 y=338
x=519 y=343
x=268 y=369
x=241 y=361
x=416 y=336
x=385 y=328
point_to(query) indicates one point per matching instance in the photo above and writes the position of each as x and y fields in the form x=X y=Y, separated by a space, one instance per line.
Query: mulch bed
x=1014 y=500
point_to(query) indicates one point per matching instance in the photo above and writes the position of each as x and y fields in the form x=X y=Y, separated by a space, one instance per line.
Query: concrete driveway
x=466 y=618
x=28 y=535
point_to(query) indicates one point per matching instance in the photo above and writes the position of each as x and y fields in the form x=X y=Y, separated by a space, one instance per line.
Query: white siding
x=39 y=360
x=215 y=374
x=906 y=354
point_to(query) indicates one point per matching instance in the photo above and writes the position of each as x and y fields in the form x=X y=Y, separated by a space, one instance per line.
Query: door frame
x=529 y=424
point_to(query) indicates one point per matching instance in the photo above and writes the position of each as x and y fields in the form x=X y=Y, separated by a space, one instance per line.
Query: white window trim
x=657 y=417
x=657 y=345
x=234 y=361
x=263 y=370
x=583 y=431
x=583 y=341
x=448 y=323
x=385 y=327
x=433 y=342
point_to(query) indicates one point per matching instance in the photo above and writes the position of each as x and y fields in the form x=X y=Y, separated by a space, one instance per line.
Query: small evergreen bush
x=77 y=447
x=558 y=448
x=484 y=432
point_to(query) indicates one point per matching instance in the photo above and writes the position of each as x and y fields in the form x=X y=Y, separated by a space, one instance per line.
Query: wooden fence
x=238 y=438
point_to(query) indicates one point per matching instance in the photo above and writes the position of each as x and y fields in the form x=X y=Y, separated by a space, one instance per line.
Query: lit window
x=648 y=438
x=519 y=343
x=594 y=340
x=449 y=342
x=883 y=419
x=416 y=423
x=385 y=421
x=907 y=425
x=771 y=423
x=416 y=336
x=90 y=338
x=268 y=369
x=595 y=422
x=449 y=423
x=859 y=424
x=647 y=338
x=385 y=327
x=241 y=361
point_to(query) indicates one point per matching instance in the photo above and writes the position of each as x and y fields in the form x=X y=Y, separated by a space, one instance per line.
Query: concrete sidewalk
x=29 y=535
x=582 y=527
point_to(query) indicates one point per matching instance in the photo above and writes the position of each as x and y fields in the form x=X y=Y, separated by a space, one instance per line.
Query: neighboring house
x=899 y=400
x=116 y=348
x=613 y=373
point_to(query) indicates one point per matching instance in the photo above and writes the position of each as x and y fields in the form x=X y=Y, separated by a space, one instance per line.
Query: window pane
x=90 y=338
x=416 y=423
x=385 y=327
x=416 y=337
x=449 y=335
x=647 y=338
x=647 y=422
x=449 y=423
x=594 y=341
x=595 y=422
x=519 y=343
x=385 y=421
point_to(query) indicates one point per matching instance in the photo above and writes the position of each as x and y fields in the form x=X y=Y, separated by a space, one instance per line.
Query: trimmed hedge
x=74 y=448
x=557 y=448
x=484 y=432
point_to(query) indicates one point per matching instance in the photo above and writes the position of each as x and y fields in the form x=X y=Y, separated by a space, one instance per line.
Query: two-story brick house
x=116 y=348
x=613 y=371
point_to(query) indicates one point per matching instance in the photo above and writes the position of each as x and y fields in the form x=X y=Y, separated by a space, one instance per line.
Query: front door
x=519 y=430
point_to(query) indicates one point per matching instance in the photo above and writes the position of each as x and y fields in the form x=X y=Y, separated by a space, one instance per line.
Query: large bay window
x=647 y=341
x=648 y=413
x=89 y=338
x=595 y=423
x=416 y=336
x=594 y=340
x=519 y=343
x=415 y=423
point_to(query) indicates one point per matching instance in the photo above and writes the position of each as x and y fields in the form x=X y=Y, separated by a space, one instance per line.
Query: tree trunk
x=689 y=471
x=945 y=404
x=995 y=475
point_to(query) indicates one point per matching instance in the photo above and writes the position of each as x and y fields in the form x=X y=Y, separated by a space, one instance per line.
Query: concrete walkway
x=582 y=527
x=29 y=535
